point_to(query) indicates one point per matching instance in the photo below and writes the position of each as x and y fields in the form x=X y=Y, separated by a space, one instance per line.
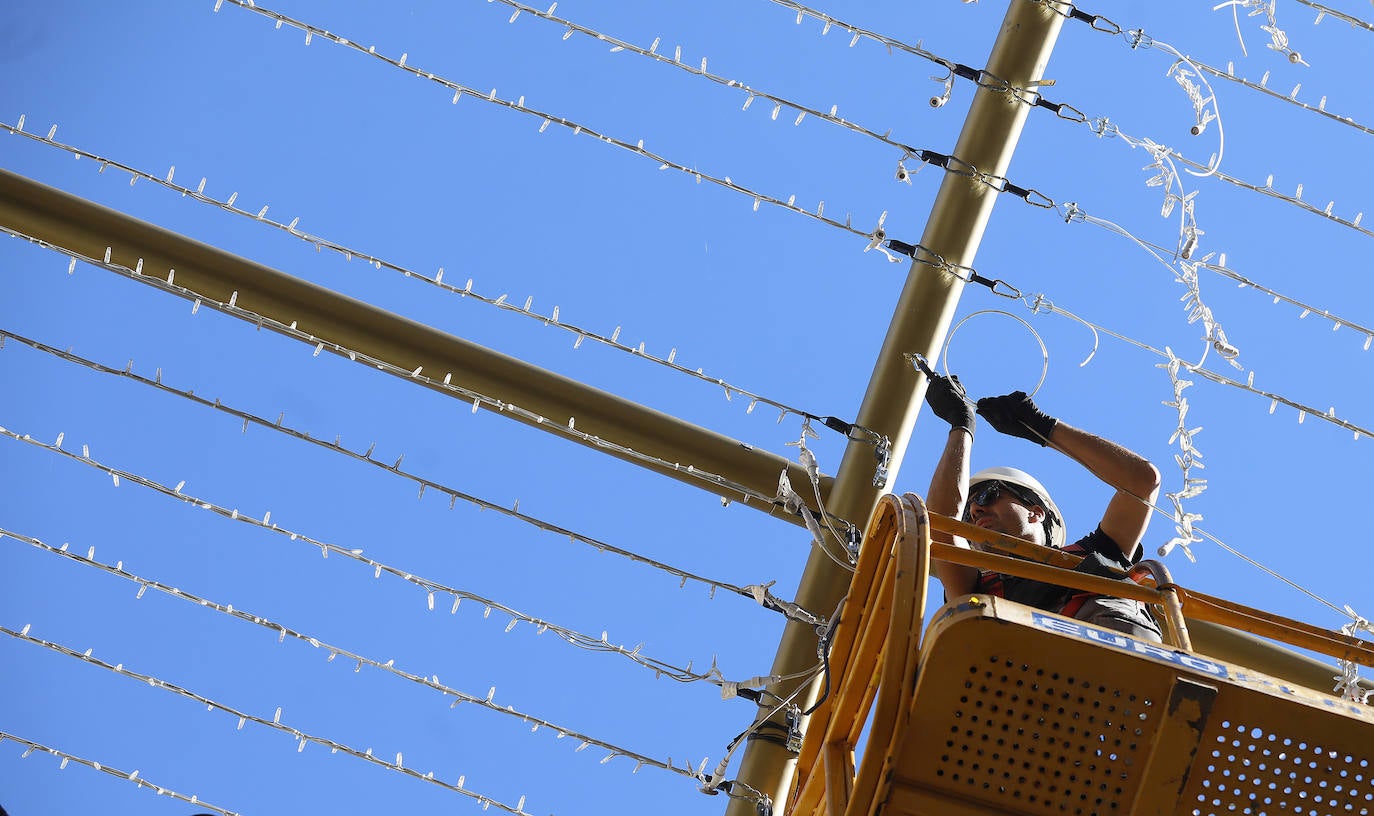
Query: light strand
x=431 y=587
x=1278 y=38
x=477 y=400
x=779 y=102
x=133 y=776
x=1324 y=11
x=1185 y=273
x=1040 y=304
x=795 y=502
x=466 y=291
x=1296 y=199
x=858 y=33
x=1073 y=213
x=1245 y=283
x=717 y=778
x=877 y=240
x=359 y=660
x=1348 y=682
x=1137 y=38
x=1291 y=98
x=759 y=592
x=302 y=738
x=1187 y=459
x=981 y=77
x=874 y=236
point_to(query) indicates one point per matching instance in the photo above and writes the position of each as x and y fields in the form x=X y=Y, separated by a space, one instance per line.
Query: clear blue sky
x=371 y=157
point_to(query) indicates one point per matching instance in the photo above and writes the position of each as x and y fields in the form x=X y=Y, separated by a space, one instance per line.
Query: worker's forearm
x=1117 y=466
x=949 y=483
x=947 y=495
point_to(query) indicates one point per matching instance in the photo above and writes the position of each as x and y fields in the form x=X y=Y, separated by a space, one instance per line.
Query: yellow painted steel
x=1048 y=564
x=1001 y=708
x=91 y=230
x=920 y=320
x=872 y=658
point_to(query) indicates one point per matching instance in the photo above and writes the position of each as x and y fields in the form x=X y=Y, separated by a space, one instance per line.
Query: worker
x=1013 y=502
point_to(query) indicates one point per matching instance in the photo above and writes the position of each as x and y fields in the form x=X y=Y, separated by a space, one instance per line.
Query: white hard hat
x=1054 y=520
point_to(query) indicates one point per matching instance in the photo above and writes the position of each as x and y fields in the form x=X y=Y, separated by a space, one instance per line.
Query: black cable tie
x=823 y=644
x=837 y=424
x=1027 y=193
x=882 y=446
x=1018 y=191
x=964 y=71
x=1062 y=110
x=1096 y=22
x=902 y=248
x=998 y=286
x=752 y=695
x=773 y=738
x=770 y=724
x=931 y=157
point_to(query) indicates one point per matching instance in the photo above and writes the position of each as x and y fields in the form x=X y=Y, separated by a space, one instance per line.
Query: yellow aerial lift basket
x=1005 y=709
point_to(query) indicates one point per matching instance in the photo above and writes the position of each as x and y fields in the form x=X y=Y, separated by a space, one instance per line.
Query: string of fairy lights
x=1175 y=192
x=761 y=592
x=430 y=681
x=433 y=588
x=1163 y=161
x=728 y=489
x=1203 y=100
x=875 y=235
x=1324 y=11
x=303 y=738
x=751 y=687
x=875 y=238
x=133 y=777
x=466 y=291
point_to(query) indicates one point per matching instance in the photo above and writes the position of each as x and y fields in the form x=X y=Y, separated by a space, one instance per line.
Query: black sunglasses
x=985 y=493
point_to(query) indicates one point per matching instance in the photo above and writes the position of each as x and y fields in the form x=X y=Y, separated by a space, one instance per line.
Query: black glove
x=946 y=398
x=1016 y=414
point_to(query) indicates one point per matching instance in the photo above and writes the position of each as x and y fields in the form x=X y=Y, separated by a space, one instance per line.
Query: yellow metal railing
x=876 y=646
x=1055 y=566
x=872 y=659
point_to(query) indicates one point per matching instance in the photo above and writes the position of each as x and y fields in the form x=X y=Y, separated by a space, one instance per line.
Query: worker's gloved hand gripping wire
x=1016 y=414
x=947 y=399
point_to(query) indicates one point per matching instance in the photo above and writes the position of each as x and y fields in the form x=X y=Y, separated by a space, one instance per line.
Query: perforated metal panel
x=1020 y=714
x=1261 y=761
x=1050 y=741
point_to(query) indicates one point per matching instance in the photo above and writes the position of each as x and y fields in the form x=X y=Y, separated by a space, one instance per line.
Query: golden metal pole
x=922 y=317
x=89 y=229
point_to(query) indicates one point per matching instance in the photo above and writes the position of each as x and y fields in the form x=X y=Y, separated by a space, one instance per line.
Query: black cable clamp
x=789 y=733
x=882 y=445
x=965 y=273
x=1060 y=109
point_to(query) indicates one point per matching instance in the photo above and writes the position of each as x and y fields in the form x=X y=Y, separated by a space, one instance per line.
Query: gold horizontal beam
x=89 y=229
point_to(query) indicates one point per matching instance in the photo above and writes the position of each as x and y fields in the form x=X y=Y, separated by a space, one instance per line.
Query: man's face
x=993 y=506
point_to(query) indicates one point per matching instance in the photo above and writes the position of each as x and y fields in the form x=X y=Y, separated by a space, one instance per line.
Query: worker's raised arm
x=949 y=483
x=1135 y=479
